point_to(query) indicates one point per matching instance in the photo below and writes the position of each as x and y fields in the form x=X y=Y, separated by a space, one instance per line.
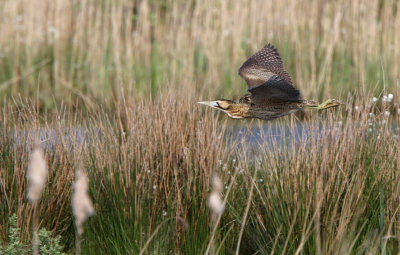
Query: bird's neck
x=238 y=109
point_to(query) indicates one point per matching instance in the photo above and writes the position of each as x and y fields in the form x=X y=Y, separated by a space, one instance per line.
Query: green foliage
x=47 y=244
x=14 y=247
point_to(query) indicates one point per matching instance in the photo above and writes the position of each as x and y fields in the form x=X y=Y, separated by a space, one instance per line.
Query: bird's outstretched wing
x=274 y=91
x=262 y=66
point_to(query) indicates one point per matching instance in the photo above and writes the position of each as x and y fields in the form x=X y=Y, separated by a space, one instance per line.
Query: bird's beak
x=213 y=104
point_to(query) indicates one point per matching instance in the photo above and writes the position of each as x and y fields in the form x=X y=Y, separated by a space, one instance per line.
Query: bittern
x=272 y=94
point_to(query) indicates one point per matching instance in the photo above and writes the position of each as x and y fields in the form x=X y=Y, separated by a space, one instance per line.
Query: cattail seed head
x=36 y=175
x=216 y=184
x=82 y=206
x=215 y=201
x=216 y=204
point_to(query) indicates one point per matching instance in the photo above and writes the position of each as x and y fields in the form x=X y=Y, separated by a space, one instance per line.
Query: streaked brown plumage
x=272 y=94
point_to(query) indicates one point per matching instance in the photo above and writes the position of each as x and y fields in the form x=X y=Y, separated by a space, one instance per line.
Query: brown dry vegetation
x=113 y=85
x=85 y=49
x=332 y=189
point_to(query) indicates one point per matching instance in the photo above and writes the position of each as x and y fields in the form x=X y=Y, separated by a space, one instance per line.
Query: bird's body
x=244 y=108
x=272 y=94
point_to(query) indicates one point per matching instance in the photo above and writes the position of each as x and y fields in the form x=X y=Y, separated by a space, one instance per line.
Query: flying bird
x=271 y=91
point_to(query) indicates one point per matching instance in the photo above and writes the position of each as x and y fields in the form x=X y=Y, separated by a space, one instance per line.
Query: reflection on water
x=70 y=138
x=268 y=134
x=275 y=136
x=258 y=139
x=253 y=137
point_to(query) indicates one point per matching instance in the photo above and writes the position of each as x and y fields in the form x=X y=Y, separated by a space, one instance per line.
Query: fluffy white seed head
x=374 y=100
x=390 y=97
x=216 y=204
x=215 y=201
x=82 y=206
x=37 y=175
x=216 y=184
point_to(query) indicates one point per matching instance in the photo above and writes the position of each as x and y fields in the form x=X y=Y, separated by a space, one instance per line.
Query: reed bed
x=84 y=50
x=331 y=188
x=111 y=87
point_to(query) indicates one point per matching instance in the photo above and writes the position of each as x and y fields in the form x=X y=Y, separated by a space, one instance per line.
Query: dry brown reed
x=334 y=188
x=330 y=47
x=157 y=149
x=327 y=187
x=158 y=156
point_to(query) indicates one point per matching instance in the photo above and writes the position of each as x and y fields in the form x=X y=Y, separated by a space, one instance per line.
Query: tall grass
x=330 y=187
x=83 y=50
x=111 y=86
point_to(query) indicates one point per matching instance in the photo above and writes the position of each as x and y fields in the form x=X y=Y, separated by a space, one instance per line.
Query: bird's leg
x=328 y=104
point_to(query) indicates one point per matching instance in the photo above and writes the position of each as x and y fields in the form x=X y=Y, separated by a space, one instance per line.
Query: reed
x=112 y=86
x=327 y=183
x=83 y=50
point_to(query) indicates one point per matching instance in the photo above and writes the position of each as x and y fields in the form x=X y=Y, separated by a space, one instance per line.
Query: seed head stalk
x=37 y=178
x=82 y=206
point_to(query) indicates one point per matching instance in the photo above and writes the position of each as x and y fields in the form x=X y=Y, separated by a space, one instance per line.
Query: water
x=262 y=137
x=273 y=136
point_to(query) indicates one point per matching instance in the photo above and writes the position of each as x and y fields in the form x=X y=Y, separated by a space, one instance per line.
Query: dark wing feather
x=260 y=67
x=275 y=90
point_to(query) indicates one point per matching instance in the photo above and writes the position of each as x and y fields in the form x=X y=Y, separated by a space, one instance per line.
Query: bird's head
x=230 y=107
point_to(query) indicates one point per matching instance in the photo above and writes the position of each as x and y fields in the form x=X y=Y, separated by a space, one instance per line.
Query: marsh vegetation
x=112 y=86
